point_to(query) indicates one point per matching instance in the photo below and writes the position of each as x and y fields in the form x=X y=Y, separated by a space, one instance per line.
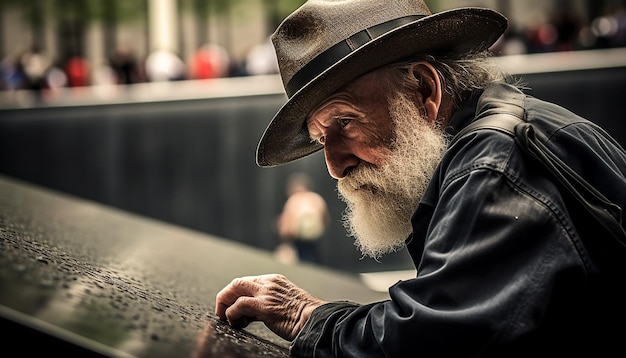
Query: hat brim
x=464 y=30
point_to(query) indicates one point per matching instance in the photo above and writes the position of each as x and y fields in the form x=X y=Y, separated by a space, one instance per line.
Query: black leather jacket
x=501 y=268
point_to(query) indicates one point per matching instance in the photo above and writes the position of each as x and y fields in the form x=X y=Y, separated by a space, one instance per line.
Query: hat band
x=331 y=56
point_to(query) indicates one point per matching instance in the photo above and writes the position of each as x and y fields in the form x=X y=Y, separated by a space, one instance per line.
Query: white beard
x=381 y=200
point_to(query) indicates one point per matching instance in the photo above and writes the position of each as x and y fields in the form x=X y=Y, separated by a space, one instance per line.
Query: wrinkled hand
x=272 y=299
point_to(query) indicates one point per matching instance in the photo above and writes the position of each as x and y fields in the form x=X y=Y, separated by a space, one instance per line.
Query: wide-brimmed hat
x=326 y=44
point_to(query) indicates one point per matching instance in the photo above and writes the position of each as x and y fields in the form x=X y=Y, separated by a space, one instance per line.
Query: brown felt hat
x=326 y=44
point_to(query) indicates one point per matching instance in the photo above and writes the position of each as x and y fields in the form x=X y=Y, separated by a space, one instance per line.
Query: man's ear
x=429 y=92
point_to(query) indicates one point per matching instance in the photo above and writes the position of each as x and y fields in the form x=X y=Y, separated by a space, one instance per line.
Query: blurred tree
x=72 y=17
x=277 y=10
x=33 y=12
x=203 y=10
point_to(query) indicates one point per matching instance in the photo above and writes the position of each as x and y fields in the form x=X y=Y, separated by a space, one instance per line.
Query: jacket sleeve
x=492 y=253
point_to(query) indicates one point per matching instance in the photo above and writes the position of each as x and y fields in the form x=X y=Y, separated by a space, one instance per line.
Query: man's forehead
x=360 y=89
x=334 y=106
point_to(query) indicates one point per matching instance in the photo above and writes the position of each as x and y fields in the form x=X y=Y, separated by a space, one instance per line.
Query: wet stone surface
x=107 y=307
x=112 y=283
x=78 y=283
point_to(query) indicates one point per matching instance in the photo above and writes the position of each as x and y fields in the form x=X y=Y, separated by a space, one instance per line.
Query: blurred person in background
x=125 y=66
x=164 y=65
x=303 y=220
x=35 y=65
x=209 y=61
x=13 y=77
x=507 y=263
x=261 y=60
x=78 y=71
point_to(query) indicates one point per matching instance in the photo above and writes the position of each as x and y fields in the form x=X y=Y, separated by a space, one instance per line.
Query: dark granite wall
x=191 y=162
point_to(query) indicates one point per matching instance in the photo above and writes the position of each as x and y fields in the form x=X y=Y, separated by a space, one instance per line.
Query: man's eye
x=344 y=121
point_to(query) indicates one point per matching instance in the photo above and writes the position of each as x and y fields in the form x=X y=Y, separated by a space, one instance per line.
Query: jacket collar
x=497 y=95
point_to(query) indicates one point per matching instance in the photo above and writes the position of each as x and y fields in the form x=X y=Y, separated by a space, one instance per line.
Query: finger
x=231 y=293
x=243 y=311
x=242 y=322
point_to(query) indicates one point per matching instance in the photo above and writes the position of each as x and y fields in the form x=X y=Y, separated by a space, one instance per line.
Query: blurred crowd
x=566 y=30
x=34 y=69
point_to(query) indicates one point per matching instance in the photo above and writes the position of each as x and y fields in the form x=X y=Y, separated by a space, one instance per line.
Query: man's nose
x=339 y=158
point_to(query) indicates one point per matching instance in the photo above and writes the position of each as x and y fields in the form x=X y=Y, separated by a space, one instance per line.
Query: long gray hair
x=460 y=75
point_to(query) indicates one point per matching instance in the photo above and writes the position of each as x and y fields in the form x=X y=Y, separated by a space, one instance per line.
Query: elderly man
x=508 y=264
